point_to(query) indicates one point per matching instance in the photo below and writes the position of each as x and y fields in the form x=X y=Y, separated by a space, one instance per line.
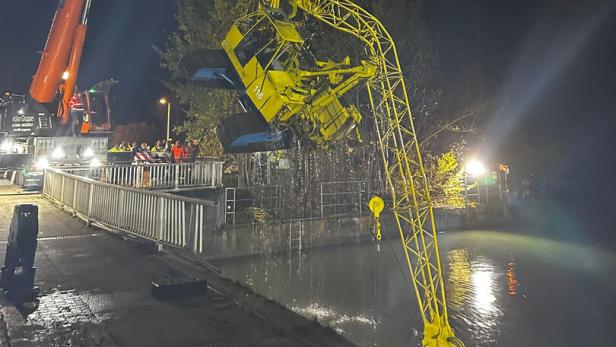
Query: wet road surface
x=503 y=289
x=95 y=291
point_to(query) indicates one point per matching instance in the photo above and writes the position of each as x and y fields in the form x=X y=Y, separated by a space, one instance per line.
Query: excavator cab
x=283 y=88
x=97 y=118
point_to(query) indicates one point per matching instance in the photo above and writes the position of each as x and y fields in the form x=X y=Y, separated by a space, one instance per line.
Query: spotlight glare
x=42 y=163
x=58 y=153
x=475 y=168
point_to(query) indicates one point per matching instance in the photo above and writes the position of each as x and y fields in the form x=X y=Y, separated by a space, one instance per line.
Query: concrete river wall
x=274 y=237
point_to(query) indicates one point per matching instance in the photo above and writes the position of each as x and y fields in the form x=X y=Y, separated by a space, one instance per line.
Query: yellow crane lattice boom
x=401 y=156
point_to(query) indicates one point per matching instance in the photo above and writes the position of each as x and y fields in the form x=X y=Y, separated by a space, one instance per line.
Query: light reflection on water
x=512 y=282
x=502 y=290
x=336 y=320
x=472 y=288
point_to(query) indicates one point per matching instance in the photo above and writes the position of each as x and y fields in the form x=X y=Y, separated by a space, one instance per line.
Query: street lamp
x=164 y=101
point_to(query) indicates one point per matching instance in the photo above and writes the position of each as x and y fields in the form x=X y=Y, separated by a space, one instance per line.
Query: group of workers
x=161 y=152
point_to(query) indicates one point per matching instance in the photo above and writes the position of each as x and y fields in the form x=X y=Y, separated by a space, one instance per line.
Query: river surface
x=503 y=289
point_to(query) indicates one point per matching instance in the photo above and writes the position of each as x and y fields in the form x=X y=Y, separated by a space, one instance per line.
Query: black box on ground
x=178 y=289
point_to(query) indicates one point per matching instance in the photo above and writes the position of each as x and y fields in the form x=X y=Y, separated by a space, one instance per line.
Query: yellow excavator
x=287 y=94
x=283 y=87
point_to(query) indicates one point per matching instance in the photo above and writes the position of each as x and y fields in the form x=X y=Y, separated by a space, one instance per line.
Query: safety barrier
x=277 y=202
x=156 y=176
x=347 y=197
x=160 y=217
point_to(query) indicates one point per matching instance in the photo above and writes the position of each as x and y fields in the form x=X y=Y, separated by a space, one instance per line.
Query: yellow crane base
x=440 y=335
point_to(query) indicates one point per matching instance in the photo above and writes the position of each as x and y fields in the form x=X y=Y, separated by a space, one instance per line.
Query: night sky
x=119 y=45
x=547 y=65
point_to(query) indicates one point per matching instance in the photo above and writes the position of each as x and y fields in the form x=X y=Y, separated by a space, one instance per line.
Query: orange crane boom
x=59 y=66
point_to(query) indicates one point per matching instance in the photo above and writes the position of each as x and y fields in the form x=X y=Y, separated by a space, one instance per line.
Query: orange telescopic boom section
x=59 y=66
x=72 y=71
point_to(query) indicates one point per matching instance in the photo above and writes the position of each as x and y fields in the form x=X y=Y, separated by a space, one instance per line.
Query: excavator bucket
x=210 y=68
x=249 y=132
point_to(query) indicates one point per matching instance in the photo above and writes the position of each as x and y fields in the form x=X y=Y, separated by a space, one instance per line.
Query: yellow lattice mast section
x=401 y=156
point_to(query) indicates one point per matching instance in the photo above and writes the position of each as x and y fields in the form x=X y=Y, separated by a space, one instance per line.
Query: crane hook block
x=376 y=206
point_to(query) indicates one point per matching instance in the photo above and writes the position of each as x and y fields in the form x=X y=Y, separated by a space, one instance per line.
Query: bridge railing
x=164 y=218
x=156 y=176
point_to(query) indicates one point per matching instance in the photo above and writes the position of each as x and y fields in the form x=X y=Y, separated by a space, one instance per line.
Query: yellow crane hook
x=376 y=206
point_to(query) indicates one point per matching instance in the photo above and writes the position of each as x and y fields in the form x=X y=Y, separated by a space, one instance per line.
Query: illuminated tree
x=201 y=24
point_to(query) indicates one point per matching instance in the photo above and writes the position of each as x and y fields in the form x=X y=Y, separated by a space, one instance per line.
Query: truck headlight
x=95 y=163
x=58 y=153
x=88 y=153
x=42 y=163
x=6 y=146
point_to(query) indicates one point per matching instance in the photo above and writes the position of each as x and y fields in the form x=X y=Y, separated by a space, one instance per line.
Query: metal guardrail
x=156 y=176
x=330 y=199
x=346 y=197
x=160 y=217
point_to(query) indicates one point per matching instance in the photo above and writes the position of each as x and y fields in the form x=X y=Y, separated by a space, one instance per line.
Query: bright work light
x=6 y=146
x=42 y=163
x=95 y=163
x=88 y=153
x=475 y=168
x=58 y=153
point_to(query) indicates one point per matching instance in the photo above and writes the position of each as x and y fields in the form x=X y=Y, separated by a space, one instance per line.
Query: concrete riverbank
x=96 y=291
x=281 y=236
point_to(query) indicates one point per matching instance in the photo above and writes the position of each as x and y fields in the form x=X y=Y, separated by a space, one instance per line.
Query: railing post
x=196 y=236
x=90 y=197
x=183 y=230
x=198 y=242
x=47 y=182
x=44 y=181
x=74 y=195
x=139 y=177
x=62 y=191
x=154 y=176
x=161 y=220
x=177 y=175
x=121 y=206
